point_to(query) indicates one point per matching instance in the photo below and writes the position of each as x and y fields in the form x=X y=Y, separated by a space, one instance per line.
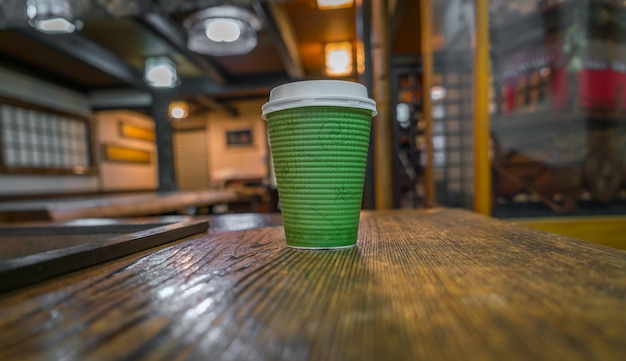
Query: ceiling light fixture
x=333 y=4
x=160 y=72
x=179 y=110
x=222 y=30
x=338 y=58
x=52 y=16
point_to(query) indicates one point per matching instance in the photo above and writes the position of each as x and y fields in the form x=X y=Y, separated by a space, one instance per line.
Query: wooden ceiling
x=107 y=55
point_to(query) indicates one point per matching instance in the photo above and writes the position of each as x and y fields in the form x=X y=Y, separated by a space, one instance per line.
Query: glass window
x=37 y=141
x=559 y=120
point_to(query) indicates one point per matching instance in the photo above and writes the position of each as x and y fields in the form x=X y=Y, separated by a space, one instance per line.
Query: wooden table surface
x=420 y=285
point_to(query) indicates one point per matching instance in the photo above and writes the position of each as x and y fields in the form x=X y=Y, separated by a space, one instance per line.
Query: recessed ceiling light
x=179 y=110
x=338 y=58
x=333 y=4
x=55 y=25
x=160 y=72
x=222 y=30
x=52 y=16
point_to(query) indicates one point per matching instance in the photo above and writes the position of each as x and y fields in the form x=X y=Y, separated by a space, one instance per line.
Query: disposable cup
x=319 y=135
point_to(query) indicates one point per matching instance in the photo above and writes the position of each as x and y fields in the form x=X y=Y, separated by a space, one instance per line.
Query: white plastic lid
x=307 y=93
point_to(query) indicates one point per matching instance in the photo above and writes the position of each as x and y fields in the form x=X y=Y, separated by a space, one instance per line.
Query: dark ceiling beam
x=213 y=104
x=278 y=26
x=91 y=53
x=250 y=82
x=168 y=29
x=20 y=66
x=119 y=99
x=200 y=86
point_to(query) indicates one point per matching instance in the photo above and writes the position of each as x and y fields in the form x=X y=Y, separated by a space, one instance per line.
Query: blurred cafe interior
x=515 y=109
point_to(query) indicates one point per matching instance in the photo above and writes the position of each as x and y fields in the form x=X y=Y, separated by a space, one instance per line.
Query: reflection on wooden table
x=420 y=285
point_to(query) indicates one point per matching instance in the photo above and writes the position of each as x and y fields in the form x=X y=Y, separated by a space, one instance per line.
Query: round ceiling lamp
x=222 y=30
x=160 y=72
x=179 y=110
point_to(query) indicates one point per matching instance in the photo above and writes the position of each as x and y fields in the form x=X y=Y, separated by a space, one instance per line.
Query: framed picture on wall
x=239 y=138
x=136 y=132
x=117 y=153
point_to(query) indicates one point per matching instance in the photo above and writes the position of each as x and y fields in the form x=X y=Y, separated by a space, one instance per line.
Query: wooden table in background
x=420 y=285
x=123 y=205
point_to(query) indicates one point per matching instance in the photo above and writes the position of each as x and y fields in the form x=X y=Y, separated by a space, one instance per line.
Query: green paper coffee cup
x=319 y=135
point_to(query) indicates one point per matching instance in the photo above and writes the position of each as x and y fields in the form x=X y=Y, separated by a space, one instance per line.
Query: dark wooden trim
x=191 y=129
x=91 y=53
x=33 y=268
x=79 y=171
x=278 y=27
x=42 y=108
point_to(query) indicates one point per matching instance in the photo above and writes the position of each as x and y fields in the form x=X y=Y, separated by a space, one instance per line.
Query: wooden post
x=427 y=72
x=382 y=92
x=482 y=168
x=165 y=150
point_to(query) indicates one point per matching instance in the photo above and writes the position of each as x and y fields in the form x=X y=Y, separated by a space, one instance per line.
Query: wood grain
x=420 y=285
x=241 y=221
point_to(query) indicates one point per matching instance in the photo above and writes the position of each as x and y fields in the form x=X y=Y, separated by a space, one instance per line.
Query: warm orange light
x=338 y=58
x=333 y=4
x=179 y=110
x=360 y=57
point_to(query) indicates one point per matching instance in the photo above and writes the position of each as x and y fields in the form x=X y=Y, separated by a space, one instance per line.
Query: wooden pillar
x=381 y=127
x=427 y=73
x=482 y=168
x=164 y=140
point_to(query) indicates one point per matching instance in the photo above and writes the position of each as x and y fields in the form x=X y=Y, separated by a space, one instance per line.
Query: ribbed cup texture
x=319 y=158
